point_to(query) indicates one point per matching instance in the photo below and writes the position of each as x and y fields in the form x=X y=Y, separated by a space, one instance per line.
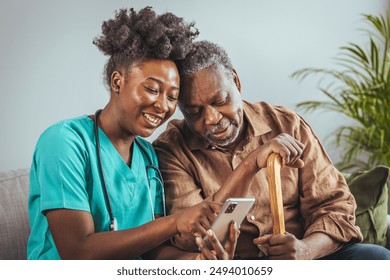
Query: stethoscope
x=113 y=222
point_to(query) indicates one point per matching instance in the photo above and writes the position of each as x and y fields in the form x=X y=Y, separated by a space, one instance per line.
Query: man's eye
x=192 y=111
x=220 y=102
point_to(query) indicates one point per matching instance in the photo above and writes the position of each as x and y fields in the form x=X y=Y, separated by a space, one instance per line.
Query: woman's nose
x=161 y=104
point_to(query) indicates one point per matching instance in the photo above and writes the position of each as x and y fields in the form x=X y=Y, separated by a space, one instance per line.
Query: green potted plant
x=360 y=90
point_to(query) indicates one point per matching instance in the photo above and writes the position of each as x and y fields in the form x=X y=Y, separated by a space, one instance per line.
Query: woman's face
x=147 y=97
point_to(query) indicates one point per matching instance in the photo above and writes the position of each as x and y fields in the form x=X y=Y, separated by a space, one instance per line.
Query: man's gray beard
x=223 y=142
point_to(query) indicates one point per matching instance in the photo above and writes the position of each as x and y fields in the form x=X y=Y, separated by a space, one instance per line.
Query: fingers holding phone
x=233 y=210
x=216 y=251
x=197 y=219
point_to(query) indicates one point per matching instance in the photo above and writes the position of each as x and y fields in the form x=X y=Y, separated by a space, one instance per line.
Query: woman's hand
x=218 y=252
x=197 y=219
x=289 y=148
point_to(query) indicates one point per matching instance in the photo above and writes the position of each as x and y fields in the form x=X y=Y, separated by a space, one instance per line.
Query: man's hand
x=218 y=252
x=283 y=247
x=289 y=148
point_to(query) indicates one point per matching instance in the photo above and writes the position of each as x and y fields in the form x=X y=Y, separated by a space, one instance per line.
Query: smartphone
x=234 y=209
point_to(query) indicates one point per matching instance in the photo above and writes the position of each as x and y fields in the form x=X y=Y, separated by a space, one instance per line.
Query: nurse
x=95 y=190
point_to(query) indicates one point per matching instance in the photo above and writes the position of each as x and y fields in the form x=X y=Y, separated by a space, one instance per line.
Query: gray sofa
x=14 y=223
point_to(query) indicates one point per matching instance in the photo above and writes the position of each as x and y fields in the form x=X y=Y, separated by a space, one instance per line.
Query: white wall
x=50 y=70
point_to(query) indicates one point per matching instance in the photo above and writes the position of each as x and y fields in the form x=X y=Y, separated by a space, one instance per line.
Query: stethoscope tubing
x=113 y=221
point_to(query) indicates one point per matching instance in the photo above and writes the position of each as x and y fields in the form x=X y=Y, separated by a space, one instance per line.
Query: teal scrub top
x=65 y=174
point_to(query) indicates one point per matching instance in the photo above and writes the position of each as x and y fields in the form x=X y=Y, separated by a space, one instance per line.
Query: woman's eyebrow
x=161 y=82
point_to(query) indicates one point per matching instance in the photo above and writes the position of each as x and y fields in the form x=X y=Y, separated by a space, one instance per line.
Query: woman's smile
x=153 y=120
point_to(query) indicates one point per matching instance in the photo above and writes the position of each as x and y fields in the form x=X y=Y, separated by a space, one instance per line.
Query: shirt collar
x=255 y=121
x=256 y=125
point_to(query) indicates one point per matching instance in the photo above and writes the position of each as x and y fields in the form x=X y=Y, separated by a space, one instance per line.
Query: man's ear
x=117 y=81
x=236 y=80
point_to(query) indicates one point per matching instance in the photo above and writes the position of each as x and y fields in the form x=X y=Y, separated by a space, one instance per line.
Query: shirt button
x=253 y=218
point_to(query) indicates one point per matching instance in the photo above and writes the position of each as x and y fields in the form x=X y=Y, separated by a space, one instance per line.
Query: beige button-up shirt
x=316 y=197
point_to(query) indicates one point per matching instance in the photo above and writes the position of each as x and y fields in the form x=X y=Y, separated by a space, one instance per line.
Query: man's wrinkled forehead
x=203 y=83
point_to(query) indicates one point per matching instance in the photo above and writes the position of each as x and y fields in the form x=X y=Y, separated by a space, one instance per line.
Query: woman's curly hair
x=135 y=36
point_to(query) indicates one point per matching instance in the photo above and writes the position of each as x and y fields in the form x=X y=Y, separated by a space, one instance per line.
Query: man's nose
x=211 y=115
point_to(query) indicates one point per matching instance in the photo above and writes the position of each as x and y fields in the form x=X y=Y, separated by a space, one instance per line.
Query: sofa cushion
x=371 y=193
x=14 y=222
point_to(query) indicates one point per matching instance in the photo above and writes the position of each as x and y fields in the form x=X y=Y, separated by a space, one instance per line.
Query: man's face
x=212 y=106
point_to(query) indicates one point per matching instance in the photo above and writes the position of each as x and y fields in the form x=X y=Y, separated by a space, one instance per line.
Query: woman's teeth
x=152 y=119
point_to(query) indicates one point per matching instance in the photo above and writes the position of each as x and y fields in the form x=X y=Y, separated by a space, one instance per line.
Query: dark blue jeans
x=360 y=252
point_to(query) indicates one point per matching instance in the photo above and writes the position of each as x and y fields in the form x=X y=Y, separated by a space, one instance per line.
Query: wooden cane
x=274 y=163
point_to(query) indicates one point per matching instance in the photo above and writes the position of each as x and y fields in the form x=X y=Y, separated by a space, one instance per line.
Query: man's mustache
x=220 y=126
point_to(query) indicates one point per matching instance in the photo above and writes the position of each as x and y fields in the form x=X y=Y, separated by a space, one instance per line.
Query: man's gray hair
x=206 y=54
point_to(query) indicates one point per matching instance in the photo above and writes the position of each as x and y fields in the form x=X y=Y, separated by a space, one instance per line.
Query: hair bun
x=115 y=34
x=132 y=36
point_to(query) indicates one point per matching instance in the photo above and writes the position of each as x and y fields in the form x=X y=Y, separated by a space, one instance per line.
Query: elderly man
x=220 y=150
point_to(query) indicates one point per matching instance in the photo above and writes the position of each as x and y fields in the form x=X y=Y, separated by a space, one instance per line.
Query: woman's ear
x=236 y=80
x=116 y=82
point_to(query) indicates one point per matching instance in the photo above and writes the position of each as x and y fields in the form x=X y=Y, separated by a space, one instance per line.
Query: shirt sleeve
x=60 y=161
x=181 y=190
x=326 y=203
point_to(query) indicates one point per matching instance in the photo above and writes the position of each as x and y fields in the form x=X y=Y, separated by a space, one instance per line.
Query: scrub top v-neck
x=64 y=174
